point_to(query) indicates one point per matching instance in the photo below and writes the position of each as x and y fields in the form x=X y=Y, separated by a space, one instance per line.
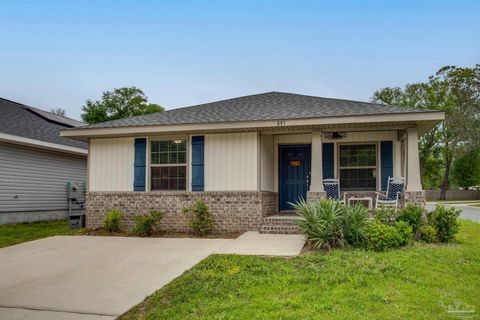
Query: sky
x=57 y=54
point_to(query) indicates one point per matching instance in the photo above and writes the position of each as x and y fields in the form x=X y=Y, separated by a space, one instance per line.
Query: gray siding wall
x=35 y=180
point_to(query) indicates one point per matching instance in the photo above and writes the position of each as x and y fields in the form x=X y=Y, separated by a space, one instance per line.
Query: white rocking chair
x=395 y=186
x=332 y=189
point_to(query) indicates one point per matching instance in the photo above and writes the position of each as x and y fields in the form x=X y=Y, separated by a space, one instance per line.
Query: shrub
x=356 y=222
x=380 y=237
x=385 y=215
x=405 y=230
x=444 y=220
x=427 y=234
x=412 y=215
x=112 y=221
x=329 y=224
x=200 y=218
x=145 y=225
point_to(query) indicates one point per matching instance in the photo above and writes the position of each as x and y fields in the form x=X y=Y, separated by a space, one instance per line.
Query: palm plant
x=330 y=224
x=357 y=220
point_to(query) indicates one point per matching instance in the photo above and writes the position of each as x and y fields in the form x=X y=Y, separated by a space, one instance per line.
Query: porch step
x=280 y=224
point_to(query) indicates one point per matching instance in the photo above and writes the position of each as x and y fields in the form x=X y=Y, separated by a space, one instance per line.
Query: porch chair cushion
x=394 y=189
x=332 y=190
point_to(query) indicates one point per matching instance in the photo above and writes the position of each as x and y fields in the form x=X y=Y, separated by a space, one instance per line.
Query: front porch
x=295 y=165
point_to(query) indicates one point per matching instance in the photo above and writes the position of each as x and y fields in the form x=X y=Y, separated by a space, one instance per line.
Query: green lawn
x=417 y=282
x=17 y=233
x=475 y=205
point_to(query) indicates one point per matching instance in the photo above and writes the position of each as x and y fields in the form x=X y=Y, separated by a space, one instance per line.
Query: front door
x=294 y=174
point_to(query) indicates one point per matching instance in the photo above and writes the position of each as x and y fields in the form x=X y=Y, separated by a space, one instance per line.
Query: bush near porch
x=415 y=282
x=331 y=224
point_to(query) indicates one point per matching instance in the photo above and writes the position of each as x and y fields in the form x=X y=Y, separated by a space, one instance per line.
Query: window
x=168 y=164
x=358 y=170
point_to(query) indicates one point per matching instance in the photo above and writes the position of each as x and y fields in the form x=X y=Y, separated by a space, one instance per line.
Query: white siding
x=266 y=162
x=33 y=179
x=231 y=162
x=111 y=164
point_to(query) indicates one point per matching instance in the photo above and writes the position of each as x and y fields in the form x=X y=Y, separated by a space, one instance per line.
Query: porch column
x=316 y=183
x=413 y=161
x=397 y=152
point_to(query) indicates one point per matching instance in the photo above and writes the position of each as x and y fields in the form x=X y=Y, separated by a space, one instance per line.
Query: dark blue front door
x=294 y=173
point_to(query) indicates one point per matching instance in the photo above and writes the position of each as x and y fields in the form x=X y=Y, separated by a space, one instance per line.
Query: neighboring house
x=36 y=163
x=249 y=157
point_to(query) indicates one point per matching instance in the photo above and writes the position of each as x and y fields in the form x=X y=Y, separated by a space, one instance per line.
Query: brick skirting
x=417 y=198
x=233 y=211
x=313 y=196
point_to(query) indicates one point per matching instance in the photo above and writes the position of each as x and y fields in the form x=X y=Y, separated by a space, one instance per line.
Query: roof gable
x=257 y=107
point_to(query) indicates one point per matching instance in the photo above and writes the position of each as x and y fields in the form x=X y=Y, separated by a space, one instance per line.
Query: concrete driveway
x=80 y=277
x=86 y=278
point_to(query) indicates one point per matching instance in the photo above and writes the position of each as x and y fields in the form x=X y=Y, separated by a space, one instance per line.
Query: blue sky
x=59 y=53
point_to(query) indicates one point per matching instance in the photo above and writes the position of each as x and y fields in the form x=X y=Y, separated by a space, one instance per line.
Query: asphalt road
x=468 y=212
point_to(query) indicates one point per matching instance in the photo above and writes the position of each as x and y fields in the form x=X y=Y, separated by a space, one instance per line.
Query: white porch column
x=397 y=153
x=316 y=183
x=413 y=161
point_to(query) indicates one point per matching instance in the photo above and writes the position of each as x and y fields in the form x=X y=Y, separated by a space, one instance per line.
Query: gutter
x=41 y=144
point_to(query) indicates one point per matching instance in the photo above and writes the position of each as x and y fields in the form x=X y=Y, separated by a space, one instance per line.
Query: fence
x=433 y=195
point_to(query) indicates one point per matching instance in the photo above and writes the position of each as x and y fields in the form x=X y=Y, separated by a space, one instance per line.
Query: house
x=249 y=157
x=36 y=163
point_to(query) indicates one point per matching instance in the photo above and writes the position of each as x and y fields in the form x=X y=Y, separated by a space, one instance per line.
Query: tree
x=118 y=104
x=456 y=91
x=58 y=111
x=466 y=170
x=417 y=95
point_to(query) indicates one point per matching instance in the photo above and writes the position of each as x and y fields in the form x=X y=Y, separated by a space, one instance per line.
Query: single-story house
x=36 y=163
x=249 y=157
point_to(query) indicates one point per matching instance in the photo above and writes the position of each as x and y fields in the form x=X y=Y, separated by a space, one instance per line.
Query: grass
x=416 y=282
x=11 y=234
x=475 y=205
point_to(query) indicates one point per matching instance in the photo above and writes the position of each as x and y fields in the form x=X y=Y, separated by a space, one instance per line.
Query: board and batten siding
x=111 y=164
x=231 y=162
x=33 y=179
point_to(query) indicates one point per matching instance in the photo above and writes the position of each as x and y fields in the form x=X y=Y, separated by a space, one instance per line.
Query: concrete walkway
x=254 y=243
x=87 y=278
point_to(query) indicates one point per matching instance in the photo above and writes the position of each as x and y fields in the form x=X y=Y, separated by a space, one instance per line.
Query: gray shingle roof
x=28 y=122
x=264 y=106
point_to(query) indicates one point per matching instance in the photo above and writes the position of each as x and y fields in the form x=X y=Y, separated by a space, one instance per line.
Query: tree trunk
x=446 y=175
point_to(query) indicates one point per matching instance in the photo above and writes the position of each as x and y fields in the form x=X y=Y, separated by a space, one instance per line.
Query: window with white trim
x=168 y=164
x=358 y=167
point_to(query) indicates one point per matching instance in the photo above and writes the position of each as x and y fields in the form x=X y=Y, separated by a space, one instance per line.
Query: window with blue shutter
x=140 y=164
x=386 y=162
x=198 y=163
x=328 y=161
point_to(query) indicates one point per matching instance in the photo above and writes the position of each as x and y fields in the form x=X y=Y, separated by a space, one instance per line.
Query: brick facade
x=233 y=211
x=315 y=195
x=417 y=198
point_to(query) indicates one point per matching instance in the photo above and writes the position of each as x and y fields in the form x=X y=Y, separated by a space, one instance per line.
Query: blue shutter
x=139 y=164
x=328 y=161
x=386 y=162
x=198 y=163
